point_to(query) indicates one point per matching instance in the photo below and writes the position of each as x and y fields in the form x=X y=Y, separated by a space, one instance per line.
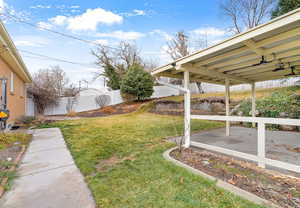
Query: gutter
x=13 y=53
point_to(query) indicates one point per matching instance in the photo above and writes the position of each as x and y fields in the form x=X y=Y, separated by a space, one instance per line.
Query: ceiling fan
x=262 y=61
x=279 y=68
x=292 y=72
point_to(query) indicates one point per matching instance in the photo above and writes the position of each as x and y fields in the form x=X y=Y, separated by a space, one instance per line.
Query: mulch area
x=10 y=153
x=122 y=108
x=282 y=190
x=9 y=158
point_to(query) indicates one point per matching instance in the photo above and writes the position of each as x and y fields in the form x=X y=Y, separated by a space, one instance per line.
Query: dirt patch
x=10 y=153
x=9 y=158
x=122 y=108
x=107 y=164
x=280 y=189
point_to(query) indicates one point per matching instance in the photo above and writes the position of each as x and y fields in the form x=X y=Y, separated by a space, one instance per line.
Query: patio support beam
x=227 y=99
x=261 y=144
x=211 y=73
x=253 y=99
x=187 y=110
x=252 y=46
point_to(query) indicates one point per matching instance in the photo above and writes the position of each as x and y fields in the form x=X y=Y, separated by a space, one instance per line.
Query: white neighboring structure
x=85 y=100
x=92 y=91
x=30 y=109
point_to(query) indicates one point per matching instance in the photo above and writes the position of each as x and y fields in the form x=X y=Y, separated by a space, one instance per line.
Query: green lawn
x=8 y=139
x=121 y=159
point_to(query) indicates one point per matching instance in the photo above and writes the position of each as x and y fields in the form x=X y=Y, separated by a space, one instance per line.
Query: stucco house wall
x=14 y=70
x=16 y=93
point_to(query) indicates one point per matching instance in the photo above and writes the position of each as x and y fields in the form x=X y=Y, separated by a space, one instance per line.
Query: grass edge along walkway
x=121 y=159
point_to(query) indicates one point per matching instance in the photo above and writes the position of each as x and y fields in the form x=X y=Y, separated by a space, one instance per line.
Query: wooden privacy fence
x=260 y=158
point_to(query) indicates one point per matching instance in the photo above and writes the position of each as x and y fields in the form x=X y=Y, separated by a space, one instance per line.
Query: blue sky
x=147 y=23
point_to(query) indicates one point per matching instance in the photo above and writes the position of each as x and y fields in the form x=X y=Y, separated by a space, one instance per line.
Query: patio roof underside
x=267 y=52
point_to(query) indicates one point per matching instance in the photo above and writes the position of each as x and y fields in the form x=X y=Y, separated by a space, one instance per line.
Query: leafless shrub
x=180 y=140
x=47 y=86
x=102 y=100
x=71 y=102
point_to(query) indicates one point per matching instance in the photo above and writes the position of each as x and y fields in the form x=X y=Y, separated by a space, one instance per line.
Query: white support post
x=261 y=144
x=187 y=110
x=227 y=99
x=253 y=99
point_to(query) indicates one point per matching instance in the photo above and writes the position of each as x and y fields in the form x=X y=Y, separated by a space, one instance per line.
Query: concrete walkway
x=48 y=176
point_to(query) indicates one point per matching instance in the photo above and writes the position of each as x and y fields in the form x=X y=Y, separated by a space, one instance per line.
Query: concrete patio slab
x=48 y=177
x=279 y=144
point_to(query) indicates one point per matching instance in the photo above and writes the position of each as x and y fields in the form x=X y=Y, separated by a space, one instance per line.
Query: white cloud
x=58 y=20
x=135 y=12
x=75 y=11
x=26 y=43
x=2 y=5
x=211 y=31
x=44 y=25
x=31 y=41
x=131 y=35
x=102 y=42
x=75 y=7
x=92 y=18
x=161 y=33
x=89 y=20
x=41 y=7
x=139 y=12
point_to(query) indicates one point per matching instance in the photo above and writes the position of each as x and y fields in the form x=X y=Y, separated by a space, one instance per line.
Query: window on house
x=12 y=89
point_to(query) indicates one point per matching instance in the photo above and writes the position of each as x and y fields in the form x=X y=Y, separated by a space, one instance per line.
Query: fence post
x=261 y=144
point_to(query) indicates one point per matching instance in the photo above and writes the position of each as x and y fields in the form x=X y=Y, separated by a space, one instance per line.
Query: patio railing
x=260 y=158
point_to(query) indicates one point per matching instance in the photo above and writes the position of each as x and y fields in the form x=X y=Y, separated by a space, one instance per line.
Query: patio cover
x=267 y=52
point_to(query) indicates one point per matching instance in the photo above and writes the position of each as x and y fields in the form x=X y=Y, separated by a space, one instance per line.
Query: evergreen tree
x=285 y=6
x=137 y=84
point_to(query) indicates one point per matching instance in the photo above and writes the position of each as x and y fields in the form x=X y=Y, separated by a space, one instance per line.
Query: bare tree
x=246 y=14
x=150 y=64
x=102 y=100
x=47 y=86
x=178 y=46
x=70 y=91
x=114 y=62
x=129 y=54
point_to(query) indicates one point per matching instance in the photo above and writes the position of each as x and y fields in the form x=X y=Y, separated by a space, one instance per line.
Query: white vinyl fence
x=266 y=84
x=30 y=109
x=86 y=103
